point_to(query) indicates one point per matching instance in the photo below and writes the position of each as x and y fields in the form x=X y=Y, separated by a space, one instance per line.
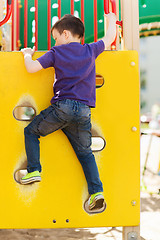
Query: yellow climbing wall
x=57 y=201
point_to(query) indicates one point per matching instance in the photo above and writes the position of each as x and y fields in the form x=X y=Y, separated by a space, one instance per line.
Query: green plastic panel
x=65 y=9
x=149 y=11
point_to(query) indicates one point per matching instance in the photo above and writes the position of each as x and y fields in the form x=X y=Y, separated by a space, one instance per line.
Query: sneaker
x=31 y=177
x=95 y=203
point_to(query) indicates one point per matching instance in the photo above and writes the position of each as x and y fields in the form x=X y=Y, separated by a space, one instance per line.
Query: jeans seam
x=38 y=124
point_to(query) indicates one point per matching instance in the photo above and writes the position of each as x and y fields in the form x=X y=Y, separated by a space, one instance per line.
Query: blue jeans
x=74 y=119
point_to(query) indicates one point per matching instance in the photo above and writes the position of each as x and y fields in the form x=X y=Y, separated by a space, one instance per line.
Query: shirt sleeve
x=97 y=47
x=47 y=60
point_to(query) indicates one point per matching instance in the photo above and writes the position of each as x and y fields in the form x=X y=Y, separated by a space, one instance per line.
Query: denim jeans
x=74 y=119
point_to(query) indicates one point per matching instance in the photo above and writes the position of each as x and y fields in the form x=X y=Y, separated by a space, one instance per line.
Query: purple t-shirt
x=74 y=66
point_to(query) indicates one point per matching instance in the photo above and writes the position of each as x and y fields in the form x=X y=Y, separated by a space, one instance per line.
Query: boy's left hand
x=29 y=51
x=110 y=16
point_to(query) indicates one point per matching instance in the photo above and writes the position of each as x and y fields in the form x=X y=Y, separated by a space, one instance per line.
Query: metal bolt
x=54 y=221
x=134 y=129
x=133 y=203
x=133 y=63
x=67 y=220
x=132 y=236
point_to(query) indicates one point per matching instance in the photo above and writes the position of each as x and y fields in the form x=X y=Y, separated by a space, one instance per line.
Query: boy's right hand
x=29 y=51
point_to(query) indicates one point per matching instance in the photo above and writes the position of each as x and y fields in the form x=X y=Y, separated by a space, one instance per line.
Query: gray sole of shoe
x=31 y=180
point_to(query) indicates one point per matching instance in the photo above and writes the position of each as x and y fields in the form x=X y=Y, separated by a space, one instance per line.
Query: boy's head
x=67 y=29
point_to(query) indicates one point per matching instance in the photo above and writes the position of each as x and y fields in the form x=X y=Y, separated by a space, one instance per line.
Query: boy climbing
x=74 y=95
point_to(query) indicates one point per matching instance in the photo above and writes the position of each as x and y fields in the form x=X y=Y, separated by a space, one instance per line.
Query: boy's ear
x=66 y=33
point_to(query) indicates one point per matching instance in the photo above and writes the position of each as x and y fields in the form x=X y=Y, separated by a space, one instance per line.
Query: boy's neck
x=72 y=39
x=77 y=41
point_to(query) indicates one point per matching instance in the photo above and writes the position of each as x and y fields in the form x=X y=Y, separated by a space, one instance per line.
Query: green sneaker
x=31 y=177
x=95 y=203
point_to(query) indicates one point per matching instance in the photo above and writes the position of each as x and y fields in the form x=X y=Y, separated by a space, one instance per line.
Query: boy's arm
x=31 y=65
x=111 y=31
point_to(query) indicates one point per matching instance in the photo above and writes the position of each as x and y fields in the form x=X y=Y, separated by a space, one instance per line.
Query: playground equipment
x=25 y=20
x=56 y=9
x=117 y=157
x=8 y=14
x=118 y=162
x=3 y=45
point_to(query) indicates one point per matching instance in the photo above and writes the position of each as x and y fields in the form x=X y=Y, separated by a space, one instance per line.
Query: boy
x=74 y=95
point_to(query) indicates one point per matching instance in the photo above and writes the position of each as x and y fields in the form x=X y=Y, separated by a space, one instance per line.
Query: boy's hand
x=111 y=30
x=29 y=51
x=110 y=16
x=31 y=65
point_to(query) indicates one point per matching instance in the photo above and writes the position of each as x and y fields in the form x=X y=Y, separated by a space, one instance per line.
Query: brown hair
x=71 y=23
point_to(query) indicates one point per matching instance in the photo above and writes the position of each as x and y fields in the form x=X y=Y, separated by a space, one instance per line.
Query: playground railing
x=13 y=6
x=59 y=2
x=8 y=14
